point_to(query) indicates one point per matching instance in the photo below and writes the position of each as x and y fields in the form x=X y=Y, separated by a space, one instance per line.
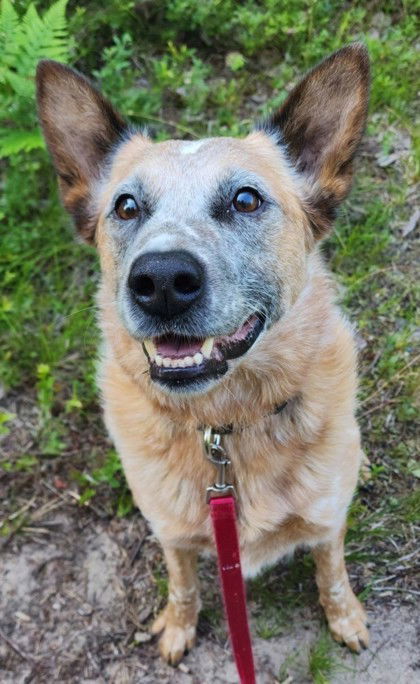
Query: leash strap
x=223 y=515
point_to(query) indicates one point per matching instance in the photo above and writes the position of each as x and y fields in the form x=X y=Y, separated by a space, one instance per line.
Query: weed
x=45 y=390
x=278 y=592
x=26 y=462
x=271 y=622
x=290 y=662
x=408 y=508
x=161 y=581
x=5 y=418
x=111 y=475
x=322 y=663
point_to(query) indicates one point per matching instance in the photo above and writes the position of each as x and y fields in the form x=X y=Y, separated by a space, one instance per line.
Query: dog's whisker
x=237 y=401
x=79 y=311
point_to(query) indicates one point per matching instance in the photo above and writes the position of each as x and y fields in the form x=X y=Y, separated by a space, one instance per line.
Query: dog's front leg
x=344 y=612
x=178 y=620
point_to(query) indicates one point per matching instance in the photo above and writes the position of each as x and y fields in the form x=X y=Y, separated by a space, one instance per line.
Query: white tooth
x=198 y=358
x=188 y=360
x=158 y=360
x=150 y=348
x=176 y=363
x=181 y=363
x=207 y=347
x=166 y=362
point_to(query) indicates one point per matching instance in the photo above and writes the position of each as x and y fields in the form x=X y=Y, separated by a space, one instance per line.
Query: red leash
x=223 y=515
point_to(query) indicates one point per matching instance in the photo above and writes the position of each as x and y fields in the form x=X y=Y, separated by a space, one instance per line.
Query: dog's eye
x=126 y=207
x=247 y=200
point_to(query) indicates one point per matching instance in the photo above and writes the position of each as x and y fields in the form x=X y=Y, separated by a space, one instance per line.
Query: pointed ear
x=80 y=127
x=321 y=124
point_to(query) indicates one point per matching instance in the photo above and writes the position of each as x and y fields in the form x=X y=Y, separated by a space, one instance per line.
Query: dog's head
x=204 y=244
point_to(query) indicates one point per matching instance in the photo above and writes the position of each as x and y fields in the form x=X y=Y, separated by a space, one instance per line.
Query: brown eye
x=247 y=200
x=126 y=207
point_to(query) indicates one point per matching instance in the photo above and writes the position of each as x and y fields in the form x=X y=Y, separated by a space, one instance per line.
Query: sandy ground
x=78 y=594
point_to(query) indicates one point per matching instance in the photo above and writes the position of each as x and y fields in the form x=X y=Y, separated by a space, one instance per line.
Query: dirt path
x=78 y=592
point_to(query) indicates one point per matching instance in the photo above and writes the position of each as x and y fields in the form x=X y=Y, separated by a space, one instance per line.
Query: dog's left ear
x=321 y=124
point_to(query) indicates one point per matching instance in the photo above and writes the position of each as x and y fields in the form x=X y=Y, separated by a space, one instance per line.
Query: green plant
x=161 y=581
x=111 y=474
x=279 y=592
x=50 y=430
x=177 y=77
x=322 y=663
x=23 y=42
x=23 y=463
x=45 y=390
x=5 y=418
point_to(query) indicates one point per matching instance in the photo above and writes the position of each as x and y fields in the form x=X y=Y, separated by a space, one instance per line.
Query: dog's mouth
x=179 y=362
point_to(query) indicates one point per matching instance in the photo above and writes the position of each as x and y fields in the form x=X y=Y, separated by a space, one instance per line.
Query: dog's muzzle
x=167 y=286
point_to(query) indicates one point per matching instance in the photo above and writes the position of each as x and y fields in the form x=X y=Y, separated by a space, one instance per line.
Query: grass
x=322 y=663
x=277 y=593
x=190 y=69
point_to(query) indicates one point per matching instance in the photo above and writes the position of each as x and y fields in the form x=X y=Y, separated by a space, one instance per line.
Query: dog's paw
x=347 y=622
x=178 y=635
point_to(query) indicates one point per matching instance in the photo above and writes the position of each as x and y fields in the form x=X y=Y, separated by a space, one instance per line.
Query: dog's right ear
x=80 y=127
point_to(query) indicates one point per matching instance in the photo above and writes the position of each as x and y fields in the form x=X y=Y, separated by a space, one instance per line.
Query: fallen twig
x=399 y=589
x=16 y=648
x=391 y=381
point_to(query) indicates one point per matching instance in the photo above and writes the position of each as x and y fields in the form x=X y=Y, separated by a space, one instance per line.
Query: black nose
x=166 y=283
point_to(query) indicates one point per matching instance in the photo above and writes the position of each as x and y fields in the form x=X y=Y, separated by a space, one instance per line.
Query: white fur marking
x=191 y=147
x=337 y=589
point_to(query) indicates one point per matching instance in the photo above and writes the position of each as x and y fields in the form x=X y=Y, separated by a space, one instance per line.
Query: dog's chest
x=283 y=488
x=276 y=494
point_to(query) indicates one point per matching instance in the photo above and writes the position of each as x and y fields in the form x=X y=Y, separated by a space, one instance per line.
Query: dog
x=216 y=309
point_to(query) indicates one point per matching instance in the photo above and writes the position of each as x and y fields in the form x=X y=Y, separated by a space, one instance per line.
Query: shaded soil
x=78 y=594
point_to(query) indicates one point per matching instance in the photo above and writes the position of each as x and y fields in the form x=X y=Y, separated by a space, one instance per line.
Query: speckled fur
x=294 y=473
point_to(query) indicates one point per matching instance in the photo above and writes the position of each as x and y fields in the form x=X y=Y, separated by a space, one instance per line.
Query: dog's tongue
x=241 y=332
x=175 y=348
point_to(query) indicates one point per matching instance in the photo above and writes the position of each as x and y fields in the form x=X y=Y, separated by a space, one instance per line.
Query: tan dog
x=216 y=308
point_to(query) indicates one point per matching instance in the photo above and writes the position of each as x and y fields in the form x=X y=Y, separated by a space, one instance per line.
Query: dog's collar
x=231 y=428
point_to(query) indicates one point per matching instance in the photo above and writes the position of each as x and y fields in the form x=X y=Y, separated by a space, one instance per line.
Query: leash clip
x=216 y=454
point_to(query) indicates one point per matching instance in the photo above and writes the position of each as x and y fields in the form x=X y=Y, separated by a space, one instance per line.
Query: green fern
x=23 y=42
x=9 y=46
x=12 y=142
